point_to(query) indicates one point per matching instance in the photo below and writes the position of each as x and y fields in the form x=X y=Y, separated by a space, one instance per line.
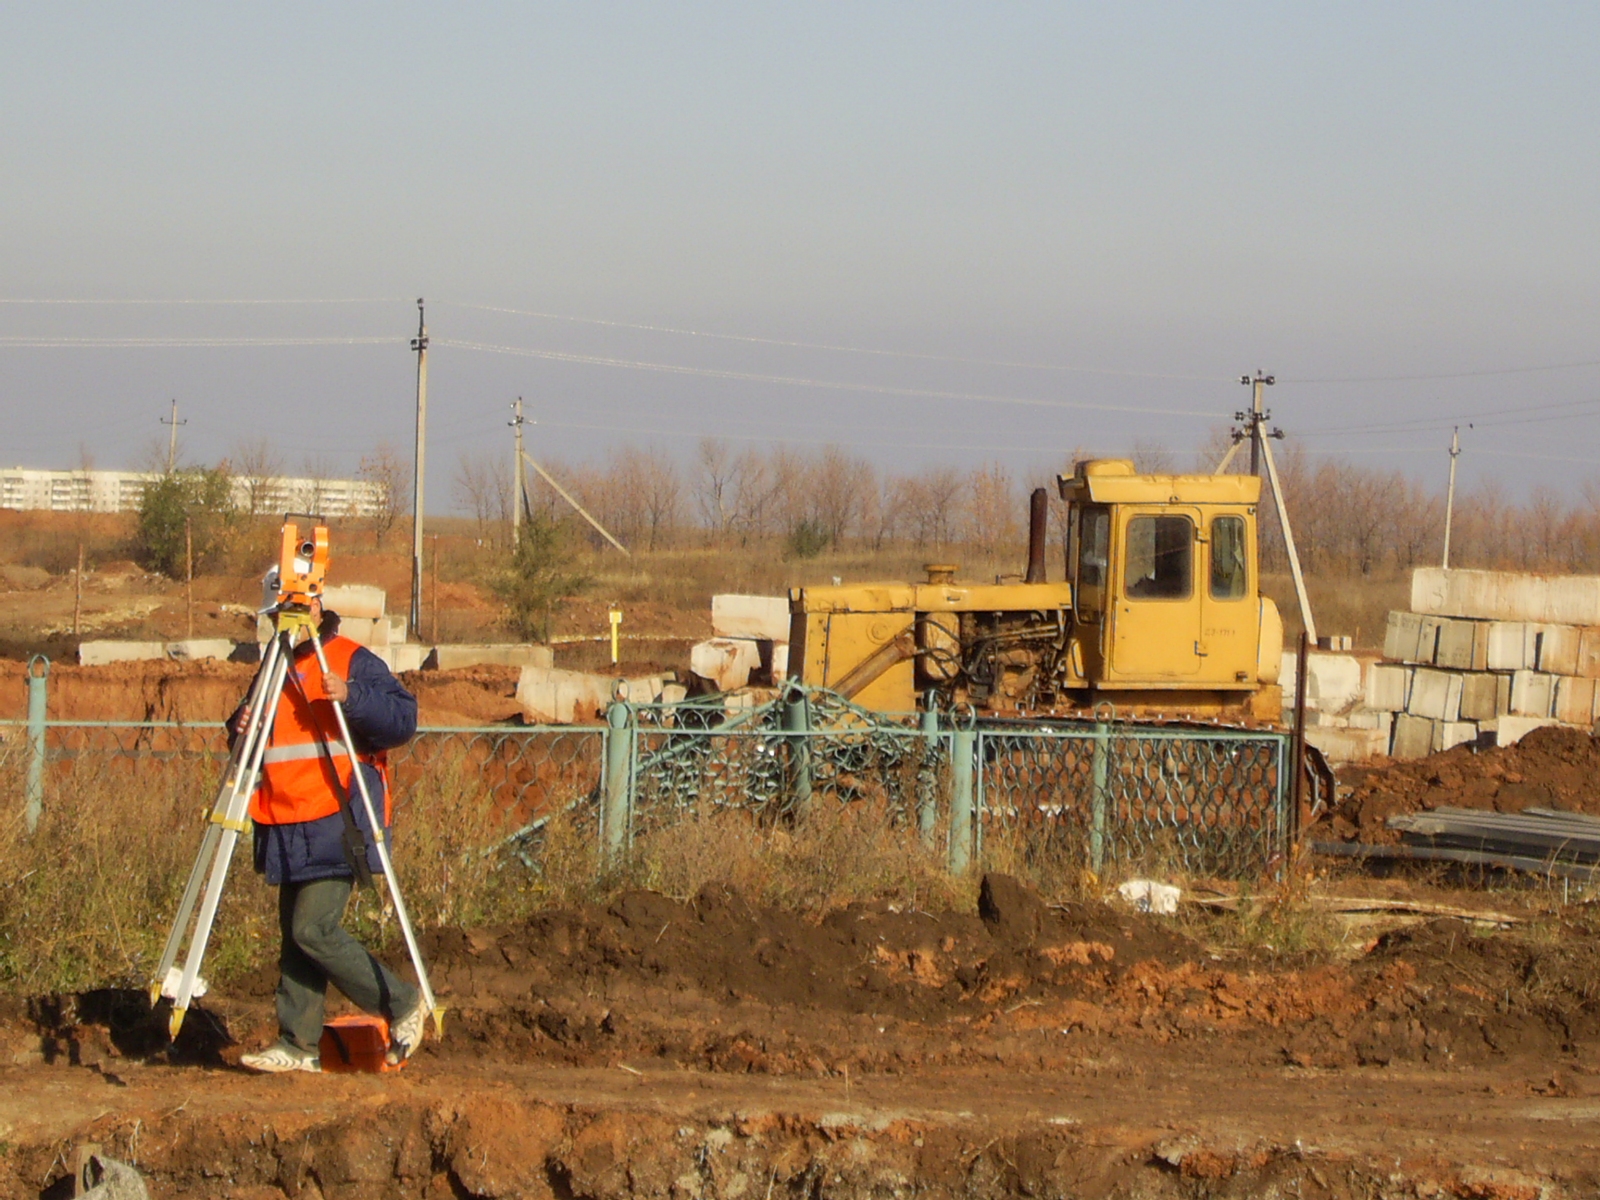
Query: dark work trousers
x=316 y=952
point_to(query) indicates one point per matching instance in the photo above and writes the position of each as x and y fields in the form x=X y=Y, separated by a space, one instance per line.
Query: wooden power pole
x=420 y=345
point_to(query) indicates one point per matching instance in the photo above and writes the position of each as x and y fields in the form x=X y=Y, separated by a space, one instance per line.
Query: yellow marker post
x=616 y=624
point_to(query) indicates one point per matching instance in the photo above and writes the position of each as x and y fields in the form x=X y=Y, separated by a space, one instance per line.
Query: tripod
x=228 y=819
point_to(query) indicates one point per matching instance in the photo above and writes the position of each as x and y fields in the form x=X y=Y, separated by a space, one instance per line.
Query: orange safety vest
x=298 y=780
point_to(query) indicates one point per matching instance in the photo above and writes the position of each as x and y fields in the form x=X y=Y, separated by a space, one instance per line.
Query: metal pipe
x=1038 y=523
x=963 y=753
x=1297 y=755
x=38 y=703
x=619 y=763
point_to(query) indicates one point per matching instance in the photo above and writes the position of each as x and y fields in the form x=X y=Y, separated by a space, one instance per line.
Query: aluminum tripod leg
x=382 y=846
x=242 y=746
x=228 y=827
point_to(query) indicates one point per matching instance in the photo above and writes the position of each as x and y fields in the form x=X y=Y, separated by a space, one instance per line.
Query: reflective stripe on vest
x=302 y=778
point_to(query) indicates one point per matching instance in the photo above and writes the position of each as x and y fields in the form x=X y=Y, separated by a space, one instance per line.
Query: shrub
x=202 y=498
x=539 y=576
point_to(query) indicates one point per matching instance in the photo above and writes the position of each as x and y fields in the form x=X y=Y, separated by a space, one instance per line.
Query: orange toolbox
x=355 y=1044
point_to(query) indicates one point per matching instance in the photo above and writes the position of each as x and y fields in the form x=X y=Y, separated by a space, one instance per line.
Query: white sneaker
x=405 y=1035
x=282 y=1056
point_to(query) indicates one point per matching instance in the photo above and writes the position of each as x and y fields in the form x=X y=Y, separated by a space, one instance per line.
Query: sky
x=924 y=232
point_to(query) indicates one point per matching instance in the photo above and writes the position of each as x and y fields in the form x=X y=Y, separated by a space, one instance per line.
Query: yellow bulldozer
x=1161 y=612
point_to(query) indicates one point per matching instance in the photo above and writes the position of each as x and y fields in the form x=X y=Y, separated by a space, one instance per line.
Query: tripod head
x=302 y=564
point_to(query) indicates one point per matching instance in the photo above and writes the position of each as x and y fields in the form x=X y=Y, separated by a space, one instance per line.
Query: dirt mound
x=1554 y=767
x=158 y=690
x=482 y=695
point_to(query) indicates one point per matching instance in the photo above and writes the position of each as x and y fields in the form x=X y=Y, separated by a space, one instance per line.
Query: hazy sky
x=1066 y=225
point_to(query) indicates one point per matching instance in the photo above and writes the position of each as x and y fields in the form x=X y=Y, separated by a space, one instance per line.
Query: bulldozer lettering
x=1161 y=610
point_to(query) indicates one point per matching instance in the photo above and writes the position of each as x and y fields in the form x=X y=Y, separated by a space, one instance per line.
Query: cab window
x=1229 y=575
x=1160 y=558
x=1094 y=540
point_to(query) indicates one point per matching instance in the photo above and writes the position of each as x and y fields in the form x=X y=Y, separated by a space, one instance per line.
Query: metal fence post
x=963 y=752
x=1100 y=764
x=928 y=774
x=38 y=702
x=797 y=720
x=614 y=817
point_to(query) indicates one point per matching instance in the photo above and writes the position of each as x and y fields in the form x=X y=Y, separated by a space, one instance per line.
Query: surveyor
x=313 y=840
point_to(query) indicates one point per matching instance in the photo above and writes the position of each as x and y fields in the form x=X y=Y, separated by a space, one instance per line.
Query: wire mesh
x=1207 y=801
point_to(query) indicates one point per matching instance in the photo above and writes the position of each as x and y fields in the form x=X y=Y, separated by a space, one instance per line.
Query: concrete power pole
x=1450 y=493
x=1257 y=415
x=518 y=487
x=420 y=345
x=172 y=442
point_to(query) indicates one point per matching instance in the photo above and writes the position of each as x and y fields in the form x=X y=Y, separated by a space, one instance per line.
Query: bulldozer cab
x=1164 y=580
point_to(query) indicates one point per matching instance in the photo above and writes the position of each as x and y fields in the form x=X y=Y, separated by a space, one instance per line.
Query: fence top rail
x=507 y=730
x=1122 y=729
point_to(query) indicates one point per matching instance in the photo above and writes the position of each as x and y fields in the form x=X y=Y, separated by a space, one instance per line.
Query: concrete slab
x=1456 y=638
x=1532 y=694
x=780 y=662
x=1366 y=718
x=1428 y=639
x=364 y=631
x=725 y=662
x=193 y=649
x=1507 y=646
x=355 y=600
x=100 y=653
x=1333 y=682
x=1588 y=653
x=1400 y=637
x=1502 y=694
x=1388 y=687
x=510 y=654
x=404 y=657
x=1449 y=734
x=1435 y=694
x=549 y=696
x=1346 y=745
x=1413 y=737
x=1507 y=596
x=1575 y=698
x=1558 y=649
x=740 y=616
x=1509 y=730
x=1480 y=694
x=1480 y=645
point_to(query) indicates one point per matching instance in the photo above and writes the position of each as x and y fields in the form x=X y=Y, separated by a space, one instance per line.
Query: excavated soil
x=1553 y=767
x=714 y=1047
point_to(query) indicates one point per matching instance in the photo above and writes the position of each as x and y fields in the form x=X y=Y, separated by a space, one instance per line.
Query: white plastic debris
x=169 y=985
x=1146 y=895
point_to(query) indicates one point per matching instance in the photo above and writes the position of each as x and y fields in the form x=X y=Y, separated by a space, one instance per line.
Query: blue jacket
x=382 y=715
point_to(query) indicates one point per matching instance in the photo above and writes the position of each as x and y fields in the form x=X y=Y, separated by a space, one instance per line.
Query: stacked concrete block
x=1435 y=695
x=1389 y=687
x=1480 y=696
x=749 y=642
x=1532 y=694
x=509 y=654
x=1413 y=737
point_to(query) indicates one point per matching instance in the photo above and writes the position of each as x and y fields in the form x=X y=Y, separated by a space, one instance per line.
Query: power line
x=1424 y=424
x=165 y=343
x=1478 y=374
x=799 y=381
x=203 y=303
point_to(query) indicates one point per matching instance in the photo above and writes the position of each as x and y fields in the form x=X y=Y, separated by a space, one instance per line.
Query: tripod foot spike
x=438 y=1020
x=175 y=1023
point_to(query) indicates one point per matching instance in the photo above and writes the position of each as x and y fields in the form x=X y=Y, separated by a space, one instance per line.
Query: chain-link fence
x=1110 y=795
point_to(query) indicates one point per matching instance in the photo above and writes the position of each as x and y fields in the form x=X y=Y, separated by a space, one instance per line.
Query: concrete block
x=98 y=654
x=405 y=657
x=1502 y=694
x=1588 y=653
x=1428 y=639
x=1348 y=745
x=1366 y=718
x=1558 y=649
x=1507 y=596
x=359 y=629
x=1509 y=730
x=1507 y=646
x=1435 y=695
x=780 y=662
x=1333 y=682
x=1456 y=639
x=1400 y=637
x=450 y=658
x=674 y=693
x=1449 y=734
x=1532 y=694
x=1479 y=697
x=397 y=629
x=193 y=649
x=1480 y=646
x=355 y=600
x=737 y=616
x=1413 y=737
x=1574 y=701
x=725 y=662
x=1388 y=687
x=551 y=697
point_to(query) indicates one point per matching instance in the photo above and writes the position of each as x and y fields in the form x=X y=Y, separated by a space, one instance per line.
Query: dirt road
x=714 y=1047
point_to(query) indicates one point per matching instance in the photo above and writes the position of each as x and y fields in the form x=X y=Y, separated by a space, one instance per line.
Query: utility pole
x=420 y=345
x=518 y=486
x=172 y=442
x=1450 y=493
x=1256 y=417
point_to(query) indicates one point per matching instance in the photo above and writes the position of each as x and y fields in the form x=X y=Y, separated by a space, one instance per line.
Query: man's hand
x=240 y=721
x=338 y=690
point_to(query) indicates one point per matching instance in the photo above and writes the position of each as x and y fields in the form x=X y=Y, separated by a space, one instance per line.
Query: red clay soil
x=715 y=1047
x=1553 y=767
x=208 y=691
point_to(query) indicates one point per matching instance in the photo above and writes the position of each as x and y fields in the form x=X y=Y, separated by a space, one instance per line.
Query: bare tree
x=318 y=473
x=258 y=466
x=390 y=476
x=482 y=484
